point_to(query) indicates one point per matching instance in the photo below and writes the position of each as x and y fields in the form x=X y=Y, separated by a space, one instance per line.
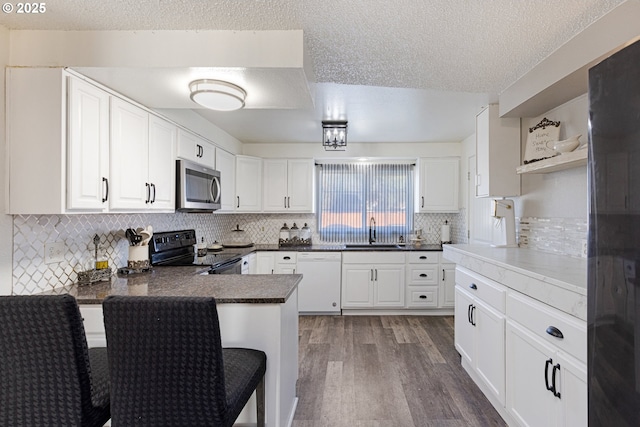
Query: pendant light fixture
x=217 y=94
x=334 y=135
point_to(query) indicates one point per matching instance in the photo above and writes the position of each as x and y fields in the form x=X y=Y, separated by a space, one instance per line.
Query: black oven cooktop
x=175 y=248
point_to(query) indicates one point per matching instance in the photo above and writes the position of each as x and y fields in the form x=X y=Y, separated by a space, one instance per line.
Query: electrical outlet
x=54 y=252
x=428 y=229
x=584 y=249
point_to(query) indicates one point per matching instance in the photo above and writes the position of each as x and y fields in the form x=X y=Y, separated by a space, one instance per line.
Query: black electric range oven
x=177 y=248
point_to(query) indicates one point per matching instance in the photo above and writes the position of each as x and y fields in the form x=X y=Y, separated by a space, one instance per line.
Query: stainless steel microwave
x=197 y=187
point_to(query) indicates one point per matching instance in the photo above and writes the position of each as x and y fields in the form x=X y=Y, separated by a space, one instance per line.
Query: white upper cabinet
x=129 y=158
x=90 y=152
x=497 y=154
x=439 y=184
x=226 y=165
x=192 y=147
x=288 y=185
x=87 y=146
x=162 y=161
x=57 y=142
x=248 y=196
x=142 y=160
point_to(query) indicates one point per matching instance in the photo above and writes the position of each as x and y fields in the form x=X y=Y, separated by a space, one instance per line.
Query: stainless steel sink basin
x=372 y=246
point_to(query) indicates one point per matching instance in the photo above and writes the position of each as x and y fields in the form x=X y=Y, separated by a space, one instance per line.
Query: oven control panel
x=165 y=241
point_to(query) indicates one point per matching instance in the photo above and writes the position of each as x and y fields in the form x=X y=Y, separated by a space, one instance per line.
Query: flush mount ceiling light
x=217 y=94
x=334 y=135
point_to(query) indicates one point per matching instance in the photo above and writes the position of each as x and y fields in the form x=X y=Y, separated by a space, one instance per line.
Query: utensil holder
x=138 y=257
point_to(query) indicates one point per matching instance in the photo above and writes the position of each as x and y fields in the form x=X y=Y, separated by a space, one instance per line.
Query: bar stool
x=48 y=376
x=168 y=367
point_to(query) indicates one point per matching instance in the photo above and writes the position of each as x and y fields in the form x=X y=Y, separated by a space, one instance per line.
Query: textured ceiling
x=476 y=46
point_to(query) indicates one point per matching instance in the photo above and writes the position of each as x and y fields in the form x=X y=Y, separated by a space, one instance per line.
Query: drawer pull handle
x=473 y=286
x=423 y=257
x=423 y=297
x=423 y=275
x=555 y=332
x=286 y=257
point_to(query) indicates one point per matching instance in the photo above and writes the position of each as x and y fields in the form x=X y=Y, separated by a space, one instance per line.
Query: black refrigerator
x=613 y=313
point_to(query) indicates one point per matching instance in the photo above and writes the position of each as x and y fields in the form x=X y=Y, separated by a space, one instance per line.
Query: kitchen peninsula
x=255 y=311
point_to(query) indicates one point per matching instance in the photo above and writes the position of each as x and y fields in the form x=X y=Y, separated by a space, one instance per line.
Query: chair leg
x=260 y=402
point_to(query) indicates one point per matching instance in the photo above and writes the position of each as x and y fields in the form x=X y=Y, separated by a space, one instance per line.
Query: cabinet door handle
x=423 y=297
x=546 y=374
x=473 y=315
x=469 y=313
x=285 y=202
x=423 y=275
x=153 y=186
x=146 y=184
x=423 y=257
x=473 y=286
x=376 y=274
x=286 y=257
x=556 y=368
x=238 y=205
x=105 y=181
x=555 y=332
x=289 y=202
x=422 y=202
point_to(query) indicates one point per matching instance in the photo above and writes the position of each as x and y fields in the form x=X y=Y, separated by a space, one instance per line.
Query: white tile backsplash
x=562 y=236
x=31 y=232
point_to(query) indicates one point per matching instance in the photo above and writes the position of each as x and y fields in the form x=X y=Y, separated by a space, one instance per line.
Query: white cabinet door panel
x=388 y=286
x=162 y=170
x=87 y=146
x=128 y=156
x=357 y=286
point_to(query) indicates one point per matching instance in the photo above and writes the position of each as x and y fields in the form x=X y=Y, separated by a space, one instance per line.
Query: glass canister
x=284 y=234
x=305 y=234
x=294 y=233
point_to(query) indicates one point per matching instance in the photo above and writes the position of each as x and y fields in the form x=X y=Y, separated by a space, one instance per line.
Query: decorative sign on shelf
x=539 y=136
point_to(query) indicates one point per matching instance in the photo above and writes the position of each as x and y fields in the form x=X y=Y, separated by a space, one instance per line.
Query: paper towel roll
x=445 y=233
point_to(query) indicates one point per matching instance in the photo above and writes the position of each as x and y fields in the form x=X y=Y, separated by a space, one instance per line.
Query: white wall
x=354 y=150
x=6 y=221
x=561 y=194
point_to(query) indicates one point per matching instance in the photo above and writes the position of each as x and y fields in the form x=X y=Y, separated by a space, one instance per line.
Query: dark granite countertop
x=343 y=248
x=187 y=281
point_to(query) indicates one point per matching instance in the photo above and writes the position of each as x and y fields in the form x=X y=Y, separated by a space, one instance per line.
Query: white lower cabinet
x=285 y=262
x=479 y=331
x=447 y=285
x=373 y=280
x=546 y=384
x=527 y=357
x=265 y=262
x=249 y=264
x=276 y=262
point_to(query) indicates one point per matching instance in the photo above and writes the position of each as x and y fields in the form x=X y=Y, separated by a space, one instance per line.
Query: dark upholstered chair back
x=46 y=377
x=166 y=363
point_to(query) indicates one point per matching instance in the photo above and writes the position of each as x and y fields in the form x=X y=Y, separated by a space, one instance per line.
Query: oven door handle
x=225 y=264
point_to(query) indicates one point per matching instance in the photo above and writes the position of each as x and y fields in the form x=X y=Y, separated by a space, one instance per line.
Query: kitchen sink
x=372 y=246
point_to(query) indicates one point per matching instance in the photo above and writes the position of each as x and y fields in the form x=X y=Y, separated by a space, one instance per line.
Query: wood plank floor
x=385 y=371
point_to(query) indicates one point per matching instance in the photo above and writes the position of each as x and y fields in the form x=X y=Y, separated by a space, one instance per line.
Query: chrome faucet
x=372 y=230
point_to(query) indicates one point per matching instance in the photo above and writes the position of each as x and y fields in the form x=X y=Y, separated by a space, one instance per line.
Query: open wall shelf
x=563 y=161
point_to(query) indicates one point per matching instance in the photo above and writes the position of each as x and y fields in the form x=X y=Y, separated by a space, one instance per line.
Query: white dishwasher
x=319 y=290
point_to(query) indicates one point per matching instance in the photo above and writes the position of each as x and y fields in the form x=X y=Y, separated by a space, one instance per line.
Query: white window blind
x=352 y=197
